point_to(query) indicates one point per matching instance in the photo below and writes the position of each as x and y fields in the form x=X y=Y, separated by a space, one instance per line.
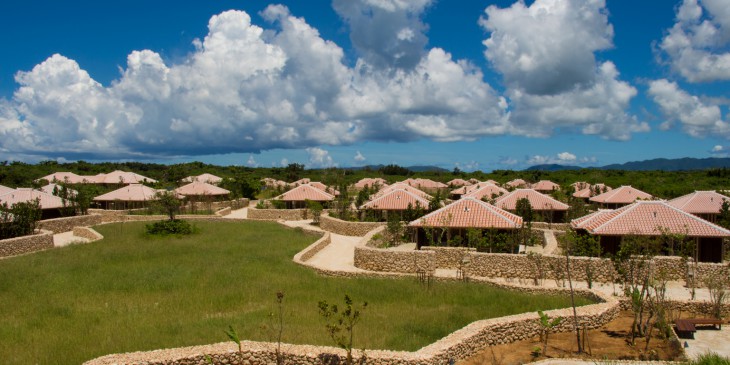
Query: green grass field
x=129 y=292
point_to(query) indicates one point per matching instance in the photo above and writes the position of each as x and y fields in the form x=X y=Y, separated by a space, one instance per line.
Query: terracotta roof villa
x=370 y=183
x=297 y=197
x=132 y=196
x=649 y=218
x=620 y=196
x=67 y=177
x=545 y=186
x=397 y=200
x=486 y=190
x=324 y=188
x=51 y=205
x=591 y=190
x=468 y=189
x=550 y=209
x=402 y=186
x=202 y=189
x=425 y=183
x=458 y=182
x=52 y=187
x=462 y=215
x=273 y=183
x=206 y=178
x=516 y=183
x=704 y=204
x=119 y=177
x=304 y=180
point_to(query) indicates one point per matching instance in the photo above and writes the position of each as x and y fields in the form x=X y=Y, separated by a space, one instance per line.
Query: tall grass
x=130 y=292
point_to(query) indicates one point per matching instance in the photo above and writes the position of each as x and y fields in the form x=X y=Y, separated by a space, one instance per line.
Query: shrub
x=176 y=227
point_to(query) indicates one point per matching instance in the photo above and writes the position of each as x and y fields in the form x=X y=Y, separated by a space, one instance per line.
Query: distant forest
x=246 y=180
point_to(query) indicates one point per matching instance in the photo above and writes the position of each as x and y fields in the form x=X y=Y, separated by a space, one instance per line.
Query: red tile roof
x=537 y=200
x=621 y=195
x=304 y=180
x=198 y=188
x=589 y=191
x=5 y=189
x=206 y=178
x=51 y=187
x=545 y=185
x=22 y=195
x=397 y=199
x=700 y=202
x=425 y=183
x=324 y=188
x=486 y=190
x=458 y=182
x=403 y=186
x=121 y=177
x=646 y=218
x=306 y=192
x=67 y=177
x=516 y=183
x=129 y=193
x=370 y=182
x=469 y=213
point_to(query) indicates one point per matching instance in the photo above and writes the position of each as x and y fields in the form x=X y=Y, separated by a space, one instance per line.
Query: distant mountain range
x=412 y=168
x=679 y=164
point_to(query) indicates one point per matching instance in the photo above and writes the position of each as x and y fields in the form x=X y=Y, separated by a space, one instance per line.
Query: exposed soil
x=610 y=342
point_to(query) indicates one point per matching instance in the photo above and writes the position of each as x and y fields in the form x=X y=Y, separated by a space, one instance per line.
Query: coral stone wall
x=313 y=249
x=450 y=257
x=277 y=214
x=481 y=264
x=108 y=215
x=88 y=233
x=378 y=259
x=66 y=224
x=224 y=212
x=26 y=244
x=345 y=228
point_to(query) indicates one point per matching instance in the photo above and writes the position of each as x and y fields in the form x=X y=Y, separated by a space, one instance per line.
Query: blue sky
x=474 y=84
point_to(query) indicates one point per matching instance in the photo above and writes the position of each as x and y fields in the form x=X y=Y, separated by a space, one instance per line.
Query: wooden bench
x=687 y=327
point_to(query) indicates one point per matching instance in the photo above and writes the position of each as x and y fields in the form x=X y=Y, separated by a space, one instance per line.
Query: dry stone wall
x=26 y=244
x=450 y=257
x=313 y=249
x=346 y=228
x=277 y=214
x=88 y=233
x=551 y=267
x=379 y=259
x=66 y=224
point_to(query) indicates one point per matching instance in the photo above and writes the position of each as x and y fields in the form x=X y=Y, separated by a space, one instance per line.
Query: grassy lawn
x=131 y=293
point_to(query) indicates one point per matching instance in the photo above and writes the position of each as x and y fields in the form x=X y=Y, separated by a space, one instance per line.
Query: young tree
x=547 y=326
x=168 y=203
x=394 y=228
x=341 y=322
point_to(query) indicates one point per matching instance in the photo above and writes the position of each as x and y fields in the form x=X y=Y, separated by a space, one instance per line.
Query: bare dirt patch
x=610 y=342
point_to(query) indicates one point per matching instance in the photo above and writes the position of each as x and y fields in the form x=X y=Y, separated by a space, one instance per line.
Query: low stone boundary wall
x=216 y=205
x=449 y=257
x=224 y=212
x=26 y=244
x=384 y=260
x=457 y=346
x=545 y=225
x=108 y=215
x=346 y=228
x=277 y=214
x=88 y=233
x=66 y=224
x=313 y=249
x=516 y=266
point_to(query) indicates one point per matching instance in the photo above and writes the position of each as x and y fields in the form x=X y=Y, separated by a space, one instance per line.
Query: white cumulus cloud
x=319 y=158
x=697 y=118
x=251 y=162
x=546 y=55
x=359 y=157
x=563 y=158
x=697 y=45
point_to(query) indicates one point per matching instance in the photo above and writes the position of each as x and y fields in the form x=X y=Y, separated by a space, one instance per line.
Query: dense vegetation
x=244 y=181
x=130 y=292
